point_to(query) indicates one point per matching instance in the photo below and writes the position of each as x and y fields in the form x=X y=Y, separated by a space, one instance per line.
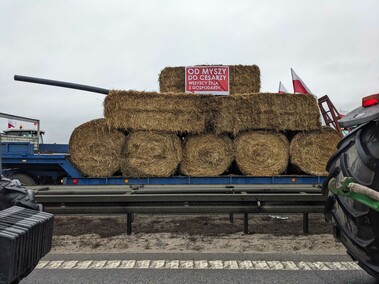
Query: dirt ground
x=194 y=233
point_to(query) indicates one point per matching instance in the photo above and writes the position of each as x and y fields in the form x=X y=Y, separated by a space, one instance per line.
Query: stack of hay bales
x=242 y=79
x=161 y=134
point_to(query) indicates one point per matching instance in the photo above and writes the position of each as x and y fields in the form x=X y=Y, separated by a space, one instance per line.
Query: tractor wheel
x=12 y=194
x=356 y=225
x=25 y=179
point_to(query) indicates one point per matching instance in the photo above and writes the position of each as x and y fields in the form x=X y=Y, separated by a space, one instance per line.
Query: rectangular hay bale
x=132 y=110
x=268 y=111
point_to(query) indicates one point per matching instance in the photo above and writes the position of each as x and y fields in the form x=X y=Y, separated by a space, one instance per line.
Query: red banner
x=207 y=80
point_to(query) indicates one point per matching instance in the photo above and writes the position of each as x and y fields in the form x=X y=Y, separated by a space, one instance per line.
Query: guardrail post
x=129 y=220
x=245 y=223
x=231 y=218
x=305 y=223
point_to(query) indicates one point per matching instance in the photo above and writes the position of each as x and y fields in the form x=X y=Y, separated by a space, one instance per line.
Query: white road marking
x=54 y=264
x=42 y=264
x=68 y=264
x=127 y=264
x=230 y=264
x=201 y=264
x=98 y=264
x=186 y=264
x=260 y=265
x=172 y=264
x=197 y=264
x=112 y=264
x=246 y=264
x=157 y=264
x=83 y=264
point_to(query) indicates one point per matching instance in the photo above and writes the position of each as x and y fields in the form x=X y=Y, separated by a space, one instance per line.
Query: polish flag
x=298 y=84
x=282 y=89
x=12 y=124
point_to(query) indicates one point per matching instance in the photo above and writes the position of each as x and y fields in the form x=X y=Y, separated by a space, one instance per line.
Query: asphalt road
x=197 y=268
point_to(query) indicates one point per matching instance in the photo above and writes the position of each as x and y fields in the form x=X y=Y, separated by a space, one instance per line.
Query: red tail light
x=370 y=100
x=75 y=181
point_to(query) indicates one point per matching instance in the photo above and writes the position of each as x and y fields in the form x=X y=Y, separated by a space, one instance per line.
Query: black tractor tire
x=25 y=179
x=355 y=224
x=13 y=194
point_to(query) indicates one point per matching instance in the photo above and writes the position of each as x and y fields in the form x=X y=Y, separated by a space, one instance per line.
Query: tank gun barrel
x=61 y=84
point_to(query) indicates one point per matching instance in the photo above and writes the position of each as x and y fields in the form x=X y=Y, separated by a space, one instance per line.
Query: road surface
x=197 y=268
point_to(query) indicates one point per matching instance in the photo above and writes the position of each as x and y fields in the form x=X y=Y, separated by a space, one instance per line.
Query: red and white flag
x=298 y=84
x=12 y=123
x=282 y=89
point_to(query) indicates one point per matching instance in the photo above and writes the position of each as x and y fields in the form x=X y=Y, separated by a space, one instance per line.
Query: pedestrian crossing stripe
x=197 y=264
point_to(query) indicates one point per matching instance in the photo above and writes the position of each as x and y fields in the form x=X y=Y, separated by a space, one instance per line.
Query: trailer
x=51 y=165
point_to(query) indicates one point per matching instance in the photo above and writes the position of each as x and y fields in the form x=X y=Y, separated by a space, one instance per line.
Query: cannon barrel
x=61 y=84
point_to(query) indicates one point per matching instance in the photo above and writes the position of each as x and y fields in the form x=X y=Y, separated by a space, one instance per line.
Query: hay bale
x=266 y=111
x=172 y=80
x=132 y=110
x=95 y=148
x=206 y=155
x=242 y=79
x=310 y=151
x=150 y=154
x=261 y=153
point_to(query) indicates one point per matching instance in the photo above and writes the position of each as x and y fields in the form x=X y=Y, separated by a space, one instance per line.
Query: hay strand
x=149 y=154
x=95 y=148
x=310 y=151
x=261 y=153
x=206 y=155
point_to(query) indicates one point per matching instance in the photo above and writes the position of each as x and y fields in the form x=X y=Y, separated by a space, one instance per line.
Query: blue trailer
x=49 y=165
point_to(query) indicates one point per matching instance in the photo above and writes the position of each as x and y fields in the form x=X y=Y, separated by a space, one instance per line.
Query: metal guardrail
x=182 y=199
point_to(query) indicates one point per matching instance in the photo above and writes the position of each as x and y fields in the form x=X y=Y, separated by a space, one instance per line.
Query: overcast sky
x=332 y=45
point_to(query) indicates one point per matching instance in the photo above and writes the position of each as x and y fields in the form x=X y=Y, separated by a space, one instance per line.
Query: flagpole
x=293 y=84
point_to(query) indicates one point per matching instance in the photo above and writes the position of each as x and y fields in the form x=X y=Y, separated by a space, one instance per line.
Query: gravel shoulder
x=194 y=233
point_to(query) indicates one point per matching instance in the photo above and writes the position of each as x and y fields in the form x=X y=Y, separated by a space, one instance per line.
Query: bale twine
x=266 y=111
x=95 y=148
x=150 y=154
x=132 y=110
x=206 y=155
x=261 y=153
x=242 y=79
x=310 y=151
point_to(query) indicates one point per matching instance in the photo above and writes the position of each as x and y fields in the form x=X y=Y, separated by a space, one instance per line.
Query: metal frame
x=176 y=199
x=182 y=180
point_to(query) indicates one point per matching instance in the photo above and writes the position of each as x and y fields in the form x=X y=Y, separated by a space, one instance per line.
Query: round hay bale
x=95 y=148
x=310 y=151
x=261 y=153
x=150 y=154
x=206 y=155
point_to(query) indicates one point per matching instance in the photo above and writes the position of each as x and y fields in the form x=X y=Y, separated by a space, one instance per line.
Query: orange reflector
x=75 y=181
x=126 y=180
x=370 y=100
x=293 y=180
